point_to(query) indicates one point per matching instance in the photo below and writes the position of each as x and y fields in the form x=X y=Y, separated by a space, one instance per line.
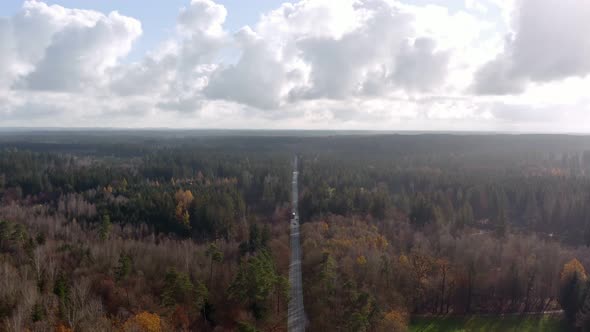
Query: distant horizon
x=340 y=131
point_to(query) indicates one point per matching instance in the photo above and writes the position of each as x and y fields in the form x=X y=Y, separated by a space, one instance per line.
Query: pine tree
x=215 y=255
x=123 y=270
x=105 y=227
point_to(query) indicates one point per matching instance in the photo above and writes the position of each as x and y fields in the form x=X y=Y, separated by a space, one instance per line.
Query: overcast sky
x=490 y=65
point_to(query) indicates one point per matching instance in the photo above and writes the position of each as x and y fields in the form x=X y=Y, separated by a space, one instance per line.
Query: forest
x=144 y=230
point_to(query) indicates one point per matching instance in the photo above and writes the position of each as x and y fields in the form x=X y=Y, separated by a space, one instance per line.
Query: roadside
x=549 y=322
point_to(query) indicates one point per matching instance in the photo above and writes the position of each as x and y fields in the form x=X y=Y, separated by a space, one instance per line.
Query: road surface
x=297 y=318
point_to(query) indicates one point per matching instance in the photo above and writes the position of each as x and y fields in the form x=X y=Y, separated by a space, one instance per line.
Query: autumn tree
x=143 y=321
x=184 y=198
x=572 y=287
x=394 y=321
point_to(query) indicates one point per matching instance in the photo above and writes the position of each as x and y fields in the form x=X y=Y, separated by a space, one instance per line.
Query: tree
x=215 y=255
x=245 y=327
x=379 y=204
x=465 y=216
x=394 y=321
x=531 y=212
x=123 y=270
x=183 y=202
x=61 y=288
x=179 y=289
x=105 y=227
x=501 y=223
x=583 y=315
x=255 y=282
x=281 y=290
x=422 y=212
x=143 y=321
x=257 y=240
x=572 y=286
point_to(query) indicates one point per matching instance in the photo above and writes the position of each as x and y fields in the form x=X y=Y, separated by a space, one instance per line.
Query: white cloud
x=549 y=43
x=58 y=49
x=256 y=80
x=370 y=64
x=79 y=55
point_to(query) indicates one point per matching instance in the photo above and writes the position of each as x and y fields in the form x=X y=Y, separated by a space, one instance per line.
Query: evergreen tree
x=255 y=282
x=105 y=227
x=123 y=269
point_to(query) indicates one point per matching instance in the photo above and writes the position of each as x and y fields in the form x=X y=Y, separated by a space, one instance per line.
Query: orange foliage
x=180 y=318
x=571 y=267
x=144 y=321
x=63 y=328
x=394 y=321
x=184 y=198
x=183 y=201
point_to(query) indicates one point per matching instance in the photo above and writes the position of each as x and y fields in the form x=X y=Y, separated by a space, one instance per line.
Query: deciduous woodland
x=189 y=230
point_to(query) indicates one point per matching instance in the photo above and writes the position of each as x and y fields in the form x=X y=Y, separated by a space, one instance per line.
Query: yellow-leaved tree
x=572 y=287
x=144 y=322
x=394 y=321
x=184 y=198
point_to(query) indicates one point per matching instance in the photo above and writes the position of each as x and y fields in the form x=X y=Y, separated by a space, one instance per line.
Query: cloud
x=256 y=80
x=58 y=49
x=548 y=44
x=151 y=76
x=420 y=67
x=341 y=65
x=79 y=55
x=496 y=78
x=179 y=69
x=203 y=16
x=380 y=64
x=285 y=60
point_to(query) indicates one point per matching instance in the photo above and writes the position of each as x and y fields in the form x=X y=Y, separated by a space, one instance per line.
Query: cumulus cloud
x=549 y=43
x=377 y=50
x=257 y=79
x=79 y=55
x=204 y=16
x=150 y=76
x=54 y=48
x=176 y=73
x=420 y=66
x=366 y=64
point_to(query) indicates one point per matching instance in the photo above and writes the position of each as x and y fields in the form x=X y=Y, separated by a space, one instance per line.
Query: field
x=488 y=324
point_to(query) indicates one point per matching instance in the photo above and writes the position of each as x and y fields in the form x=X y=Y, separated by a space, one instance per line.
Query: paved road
x=297 y=318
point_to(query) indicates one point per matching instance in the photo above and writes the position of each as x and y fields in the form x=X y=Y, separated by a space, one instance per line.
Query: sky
x=465 y=65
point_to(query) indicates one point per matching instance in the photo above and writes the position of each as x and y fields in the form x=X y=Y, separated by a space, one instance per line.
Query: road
x=297 y=318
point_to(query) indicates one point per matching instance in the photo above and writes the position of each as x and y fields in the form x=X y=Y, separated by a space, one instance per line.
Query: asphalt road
x=297 y=318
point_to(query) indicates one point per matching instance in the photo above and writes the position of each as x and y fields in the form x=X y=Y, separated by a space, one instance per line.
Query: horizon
x=337 y=132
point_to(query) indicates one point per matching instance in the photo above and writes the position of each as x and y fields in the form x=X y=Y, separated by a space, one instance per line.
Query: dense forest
x=189 y=230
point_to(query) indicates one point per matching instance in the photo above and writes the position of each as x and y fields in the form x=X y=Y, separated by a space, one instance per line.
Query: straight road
x=297 y=318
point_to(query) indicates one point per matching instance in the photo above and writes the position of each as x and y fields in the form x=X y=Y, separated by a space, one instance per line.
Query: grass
x=488 y=324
